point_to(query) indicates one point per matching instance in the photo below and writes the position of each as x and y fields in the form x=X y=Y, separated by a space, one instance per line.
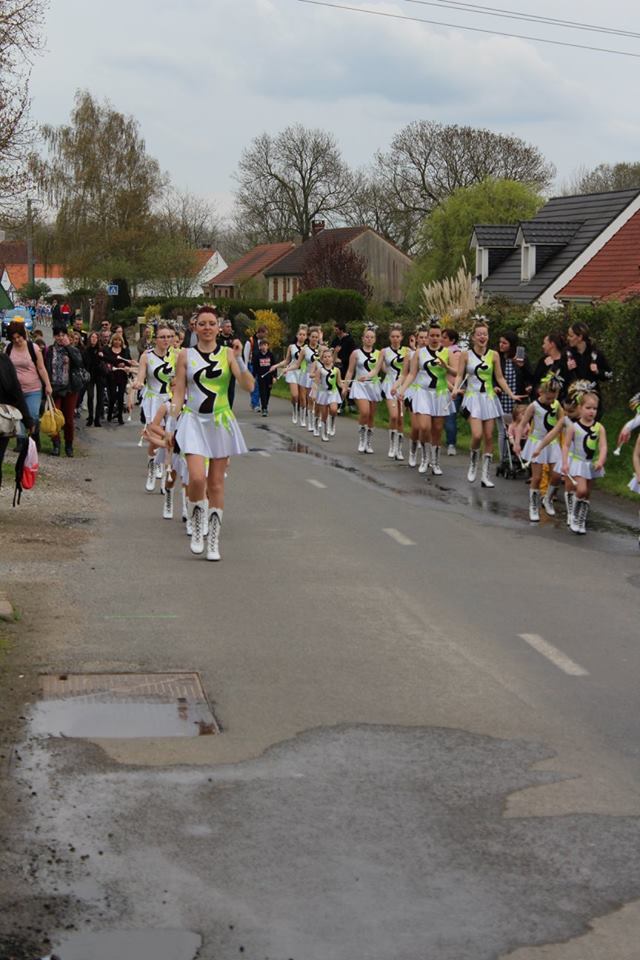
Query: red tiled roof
x=614 y=268
x=19 y=272
x=251 y=264
x=295 y=263
x=13 y=251
x=633 y=290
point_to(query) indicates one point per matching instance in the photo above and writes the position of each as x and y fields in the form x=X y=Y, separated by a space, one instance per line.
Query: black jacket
x=11 y=391
x=583 y=363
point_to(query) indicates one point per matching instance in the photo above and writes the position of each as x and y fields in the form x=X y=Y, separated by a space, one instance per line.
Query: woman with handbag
x=31 y=371
x=11 y=394
x=67 y=375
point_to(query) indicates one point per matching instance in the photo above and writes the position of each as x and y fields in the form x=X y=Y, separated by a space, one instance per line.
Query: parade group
x=547 y=418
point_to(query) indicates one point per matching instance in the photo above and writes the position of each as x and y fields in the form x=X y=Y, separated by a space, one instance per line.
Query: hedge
x=326 y=305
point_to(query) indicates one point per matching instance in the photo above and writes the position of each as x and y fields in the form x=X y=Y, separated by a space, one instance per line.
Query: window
x=482 y=262
x=275 y=290
x=528 y=263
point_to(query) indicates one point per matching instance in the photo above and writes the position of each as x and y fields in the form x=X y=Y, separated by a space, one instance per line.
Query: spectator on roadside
x=343 y=346
x=56 y=316
x=228 y=338
x=584 y=360
x=95 y=363
x=37 y=336
x=121 y=331
x=553 y=361
x=31 y=372
x=118 y=358
x=250 y=356
x=265 y=360
x=517 y=372
x=64 y=364
x=146 y=339
x=78 y=328
x=190 y=338
x=11 y=393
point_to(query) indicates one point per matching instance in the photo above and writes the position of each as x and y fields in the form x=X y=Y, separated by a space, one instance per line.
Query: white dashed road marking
x=557 y=657
x=316 y=483
x=399 y=537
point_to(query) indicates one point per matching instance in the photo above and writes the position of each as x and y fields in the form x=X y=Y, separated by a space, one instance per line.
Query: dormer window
x=482 y=263
x=528 y=262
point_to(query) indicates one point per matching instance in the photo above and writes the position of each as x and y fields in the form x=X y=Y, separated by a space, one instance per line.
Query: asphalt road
x=429 y=712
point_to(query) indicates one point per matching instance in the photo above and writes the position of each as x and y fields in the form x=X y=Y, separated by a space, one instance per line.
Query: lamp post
x=30 y=261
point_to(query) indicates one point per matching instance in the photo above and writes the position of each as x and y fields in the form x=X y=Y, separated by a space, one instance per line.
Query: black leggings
x=264 y=387
x=96 y=390
x=117 y=391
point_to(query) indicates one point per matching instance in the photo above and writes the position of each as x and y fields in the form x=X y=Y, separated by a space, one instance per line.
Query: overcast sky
x=203 y=77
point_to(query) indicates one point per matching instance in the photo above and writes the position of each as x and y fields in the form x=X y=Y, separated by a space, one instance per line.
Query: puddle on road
x=114 y=706
x=87 y=719
x=448 y=495
x=129 y=945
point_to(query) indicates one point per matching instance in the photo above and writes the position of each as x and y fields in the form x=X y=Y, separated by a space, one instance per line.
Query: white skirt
x=387 y=384
x=292 y=377
x=583 y=468
x=202 y=436
x=365 y=390
x=151 y=404
x=325 y=397
x=305 y=380
x=634 y=485
x=551 y=454
x=432 y=404
x=481 y=407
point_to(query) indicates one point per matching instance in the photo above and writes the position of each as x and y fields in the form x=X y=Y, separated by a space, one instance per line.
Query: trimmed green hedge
x=327 y=305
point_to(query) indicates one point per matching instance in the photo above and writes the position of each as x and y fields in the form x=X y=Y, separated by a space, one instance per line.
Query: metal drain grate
x=123 y=705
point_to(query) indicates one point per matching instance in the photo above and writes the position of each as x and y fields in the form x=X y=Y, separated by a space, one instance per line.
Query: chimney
x=317 y=226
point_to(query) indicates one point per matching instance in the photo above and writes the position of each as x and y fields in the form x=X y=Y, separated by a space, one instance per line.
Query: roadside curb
x=6 y=607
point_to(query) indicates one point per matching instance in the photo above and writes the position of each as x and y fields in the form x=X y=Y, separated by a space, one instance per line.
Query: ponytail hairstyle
x=580 y=329
x=578 y=390
x=634 y=403
x=552 y=383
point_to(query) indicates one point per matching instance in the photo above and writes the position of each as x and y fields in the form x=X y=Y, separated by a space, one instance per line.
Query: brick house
x=14 y=269
x=251 y=266
x=582 y=248
x=387 y=266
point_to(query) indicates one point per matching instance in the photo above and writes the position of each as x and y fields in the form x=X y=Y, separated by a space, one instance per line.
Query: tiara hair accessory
x=634 y=402
x=552 y=381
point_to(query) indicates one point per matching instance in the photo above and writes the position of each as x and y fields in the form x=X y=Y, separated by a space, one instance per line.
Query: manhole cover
x=122 y=705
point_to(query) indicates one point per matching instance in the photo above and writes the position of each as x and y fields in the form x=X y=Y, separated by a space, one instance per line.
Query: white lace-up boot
x=472 y=472
x=534 y=505
x=368 y=447
x=392 y=445
x=414 y=449
x=436 y=469
x=425 y=458
x=294 y=415
x=331 y=428
x=569 y=500
x=303 y=416
x=316 y=426
x=185 y=512
x=150 y=485
x=362 y=438
x=167 y=510
x=399 y=453
x=485 y=480
x=547 y=501
x=323 y=431
x=198 y=512
x=213 y=536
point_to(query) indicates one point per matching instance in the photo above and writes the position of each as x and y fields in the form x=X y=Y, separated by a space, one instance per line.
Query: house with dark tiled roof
x=251 y=266
x=581 y=248
x=387 y=266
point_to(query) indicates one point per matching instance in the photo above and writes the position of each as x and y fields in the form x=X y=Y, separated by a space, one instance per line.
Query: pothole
x=122 y=706
x=129 y=944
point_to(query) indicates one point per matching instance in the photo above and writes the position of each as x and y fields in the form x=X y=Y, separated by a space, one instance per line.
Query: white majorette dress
x=160 y=373
x=367 y=389
x=207 y=426
x=293 y=376
x=328 y=388
x=545 y=418
x=432 y=396
x=582 y=451
x=394 y=365
x=304 y=371
x=480 y=400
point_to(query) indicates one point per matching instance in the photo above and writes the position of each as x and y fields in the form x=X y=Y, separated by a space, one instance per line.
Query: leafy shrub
x=273 y=323
x=326 y=305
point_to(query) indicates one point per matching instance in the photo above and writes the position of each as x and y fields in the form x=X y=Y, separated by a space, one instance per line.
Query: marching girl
x=634 y=483
x=479 y=366
x=303 y=364
x=583 y=439
x=155 y=373
x=415 y=340
x=431 y=401
x=329 y=384
x=633 y=424
x=175 y=462
x=365 y=388
x=393 y=360
x=207 y=429
x=292 y=377
x=547 y=418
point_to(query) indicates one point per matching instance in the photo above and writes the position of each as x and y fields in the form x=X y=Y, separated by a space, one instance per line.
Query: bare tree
x=602 y=179
x=428 y=161
x=21 y=23
x=335 y=264
x=189 y=217
x=372 y=205
x=103 y=185
x=287 y=181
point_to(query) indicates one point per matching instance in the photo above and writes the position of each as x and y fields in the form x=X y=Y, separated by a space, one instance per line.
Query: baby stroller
x=510 y=466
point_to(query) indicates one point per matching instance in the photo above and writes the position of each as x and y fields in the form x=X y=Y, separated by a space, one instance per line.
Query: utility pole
x=30 y=262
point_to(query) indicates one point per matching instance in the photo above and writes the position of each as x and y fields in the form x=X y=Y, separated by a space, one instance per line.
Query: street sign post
x=112 y=289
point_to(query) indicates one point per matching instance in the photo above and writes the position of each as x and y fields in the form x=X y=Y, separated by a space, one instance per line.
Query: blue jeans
x=33 y=401
x=255 y=393
x=451 y=424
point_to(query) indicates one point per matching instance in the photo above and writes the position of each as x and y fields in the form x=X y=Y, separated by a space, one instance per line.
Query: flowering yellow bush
x=152 y=312
x=273 y=323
